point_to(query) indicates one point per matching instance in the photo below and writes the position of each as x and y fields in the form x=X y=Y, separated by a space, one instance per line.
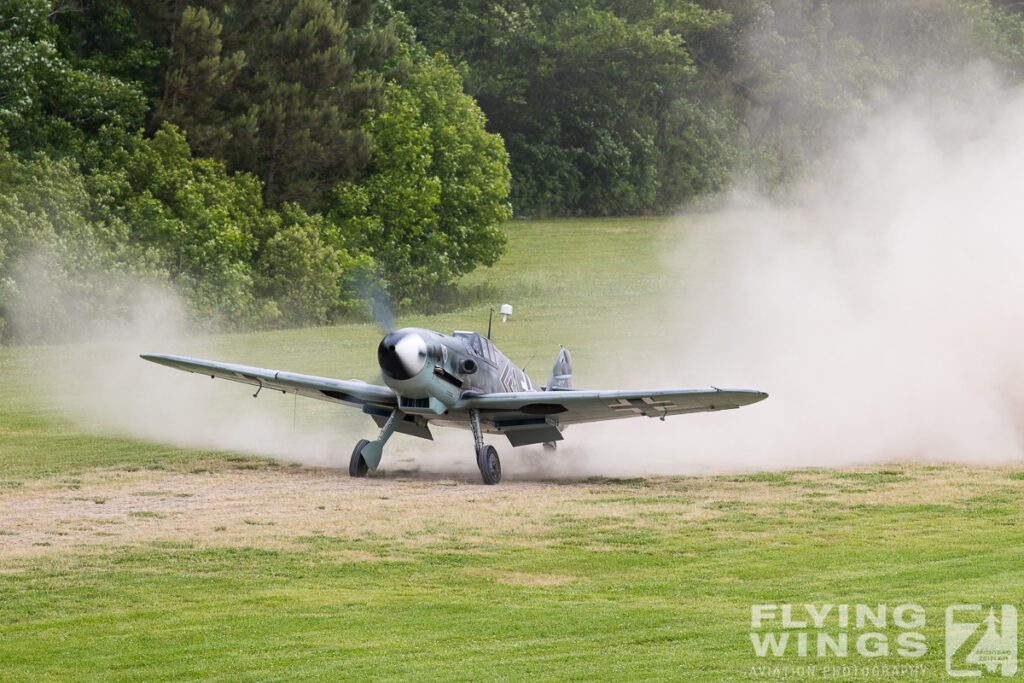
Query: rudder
x=561 y=374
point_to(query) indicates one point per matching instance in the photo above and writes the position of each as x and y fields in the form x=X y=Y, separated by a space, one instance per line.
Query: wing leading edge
x=349 y=392
x=576 y=406
x=539 y=416
x=524 y=417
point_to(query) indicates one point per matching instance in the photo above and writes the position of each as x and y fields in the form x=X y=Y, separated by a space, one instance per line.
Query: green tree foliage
x=203 y=225
x=612 y=107
x=277 y=89
x=273 y=160
x=310 y=279
x=58 y=268
x=108 y=37
x=428 y=206
x=808 y=71
x=46 y=104
x=590 y=98
x=74 y=245
x=280 y=102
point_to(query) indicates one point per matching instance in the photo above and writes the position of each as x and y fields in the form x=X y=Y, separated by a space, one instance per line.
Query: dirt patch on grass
x=263 y=508
x=287 y=507
x=521 y=578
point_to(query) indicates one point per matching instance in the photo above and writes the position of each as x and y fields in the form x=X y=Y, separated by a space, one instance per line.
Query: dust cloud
x=883 y=313
x=104 y=386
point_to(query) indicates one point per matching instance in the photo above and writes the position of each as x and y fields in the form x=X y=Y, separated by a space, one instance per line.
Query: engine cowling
x=411 y=364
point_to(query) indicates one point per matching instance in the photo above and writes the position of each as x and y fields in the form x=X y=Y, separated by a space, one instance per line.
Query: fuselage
x=430 y=371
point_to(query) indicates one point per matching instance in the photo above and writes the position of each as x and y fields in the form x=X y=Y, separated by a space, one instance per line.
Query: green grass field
x=128 y=560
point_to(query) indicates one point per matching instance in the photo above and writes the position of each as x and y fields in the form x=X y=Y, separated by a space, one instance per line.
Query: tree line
x=276 y=163
x=610 y=107
x=280 y=162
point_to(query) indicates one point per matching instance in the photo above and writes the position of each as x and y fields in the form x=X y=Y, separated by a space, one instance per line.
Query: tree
x=586 y=97
x=311 y=281
x=200 y=225
x=110 y=37
x=277 y=89
x=46 y=103
x=59 y=269
x=429 y=205
x=811 y=71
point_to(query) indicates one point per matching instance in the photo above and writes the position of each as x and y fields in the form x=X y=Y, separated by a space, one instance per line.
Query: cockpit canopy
x=479 y=345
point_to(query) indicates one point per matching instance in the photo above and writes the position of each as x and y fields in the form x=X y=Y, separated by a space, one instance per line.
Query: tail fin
x=561 y=374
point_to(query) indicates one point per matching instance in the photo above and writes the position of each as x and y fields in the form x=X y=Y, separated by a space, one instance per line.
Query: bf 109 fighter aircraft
x=464 y=381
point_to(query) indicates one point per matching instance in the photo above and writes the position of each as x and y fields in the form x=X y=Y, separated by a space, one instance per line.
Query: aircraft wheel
x=490 y=466
x=357 y=467
x=550 y=446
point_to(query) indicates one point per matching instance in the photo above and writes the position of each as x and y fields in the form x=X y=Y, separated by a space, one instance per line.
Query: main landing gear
x=357 y=467
x=486 y=457
x=490 y=466
x=367 y=453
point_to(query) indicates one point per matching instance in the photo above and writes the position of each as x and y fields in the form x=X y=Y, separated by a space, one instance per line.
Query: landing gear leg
x=366 y=455
x=357 y=467
x=486 y=457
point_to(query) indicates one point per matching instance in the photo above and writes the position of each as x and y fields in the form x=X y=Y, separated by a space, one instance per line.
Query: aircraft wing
x=348 y=392
x=525 y=416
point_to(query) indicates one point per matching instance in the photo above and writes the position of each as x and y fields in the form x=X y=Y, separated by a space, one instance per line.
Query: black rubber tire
x=489 y=464
x=357 y=467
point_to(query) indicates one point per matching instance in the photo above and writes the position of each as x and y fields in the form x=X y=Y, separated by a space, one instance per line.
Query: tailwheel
x=357 y=467
x=490 y=466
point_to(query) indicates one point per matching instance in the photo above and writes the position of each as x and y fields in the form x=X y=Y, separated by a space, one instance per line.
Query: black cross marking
x=645 y=406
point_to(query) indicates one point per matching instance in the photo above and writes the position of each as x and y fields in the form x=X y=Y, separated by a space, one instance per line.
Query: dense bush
x=429 y=204
x=292 y=115
x=277 y=162
x=589 y=97
x=74 y=244
x=622 y=108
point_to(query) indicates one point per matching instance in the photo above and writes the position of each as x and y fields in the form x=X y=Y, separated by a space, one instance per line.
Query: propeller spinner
x=402 y=354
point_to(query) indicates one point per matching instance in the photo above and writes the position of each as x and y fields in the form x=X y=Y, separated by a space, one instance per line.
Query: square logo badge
x=981 y=640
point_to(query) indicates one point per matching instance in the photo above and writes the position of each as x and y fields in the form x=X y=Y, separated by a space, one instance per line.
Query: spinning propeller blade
x=382 y=315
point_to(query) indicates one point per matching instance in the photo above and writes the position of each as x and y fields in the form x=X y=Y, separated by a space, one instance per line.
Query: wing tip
x=161 y=359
